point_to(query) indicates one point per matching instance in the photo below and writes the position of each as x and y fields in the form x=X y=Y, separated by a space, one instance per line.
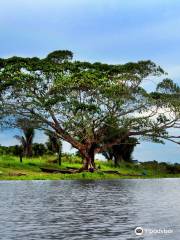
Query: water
x=101 y=210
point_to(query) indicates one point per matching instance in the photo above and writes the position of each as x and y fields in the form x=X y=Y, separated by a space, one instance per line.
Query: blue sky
x=96 y=30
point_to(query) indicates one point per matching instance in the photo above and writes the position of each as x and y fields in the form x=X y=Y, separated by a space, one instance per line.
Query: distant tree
x=54 y=144
x=26 y=140
x=60 y=56
x=121 y=152
x=15 y=150
x=118 y=152
x=3 y=150
x=38 y=149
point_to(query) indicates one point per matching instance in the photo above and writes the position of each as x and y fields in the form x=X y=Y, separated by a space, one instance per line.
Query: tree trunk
x=88 y=156
x=20 y=157
x=91 y=153
x=117 y=160
x=59 y=158
x=86 y=163
x=28 y=151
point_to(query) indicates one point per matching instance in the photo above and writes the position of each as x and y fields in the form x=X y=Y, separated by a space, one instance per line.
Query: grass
x=29 y=169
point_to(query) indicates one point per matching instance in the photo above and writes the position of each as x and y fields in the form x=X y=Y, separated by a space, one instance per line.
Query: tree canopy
x=80 y=101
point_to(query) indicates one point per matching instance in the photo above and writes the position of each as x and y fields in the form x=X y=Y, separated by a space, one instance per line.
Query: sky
x=113 y=31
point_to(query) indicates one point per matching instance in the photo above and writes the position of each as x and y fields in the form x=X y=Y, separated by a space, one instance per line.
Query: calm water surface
x=101 y=210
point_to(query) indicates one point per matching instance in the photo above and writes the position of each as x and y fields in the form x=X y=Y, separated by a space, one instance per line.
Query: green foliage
x=168 y=86
x=121 y=152
x=11 y=150
x=80 y=101
x=39 y=149
x=26 y=140
x=60 y=56
x=54 y=144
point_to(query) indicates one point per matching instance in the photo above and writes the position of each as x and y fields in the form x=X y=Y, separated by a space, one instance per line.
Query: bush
x=39 y=149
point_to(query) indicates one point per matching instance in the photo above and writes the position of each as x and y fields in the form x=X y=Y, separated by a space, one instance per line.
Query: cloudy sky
x=96 y=30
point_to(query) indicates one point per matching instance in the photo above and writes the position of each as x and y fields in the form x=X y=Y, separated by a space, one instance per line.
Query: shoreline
x=31 y=169
x=84 y=177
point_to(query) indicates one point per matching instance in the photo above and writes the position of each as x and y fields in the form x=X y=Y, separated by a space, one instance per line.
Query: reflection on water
x=73 y=210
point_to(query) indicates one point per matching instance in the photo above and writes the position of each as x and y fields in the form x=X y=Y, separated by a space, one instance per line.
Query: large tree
x=80 y=101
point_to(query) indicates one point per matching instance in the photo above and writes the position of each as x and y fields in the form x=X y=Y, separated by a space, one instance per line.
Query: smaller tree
x=26 y=140
x=54 y=144
x=15 y=150
x=60 y=56
x=121 y=152
x=39 y=149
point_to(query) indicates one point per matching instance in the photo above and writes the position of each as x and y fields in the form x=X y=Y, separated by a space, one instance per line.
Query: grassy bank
x=30 y=169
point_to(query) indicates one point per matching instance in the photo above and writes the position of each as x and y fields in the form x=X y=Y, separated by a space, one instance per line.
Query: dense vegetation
x=38 y=149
